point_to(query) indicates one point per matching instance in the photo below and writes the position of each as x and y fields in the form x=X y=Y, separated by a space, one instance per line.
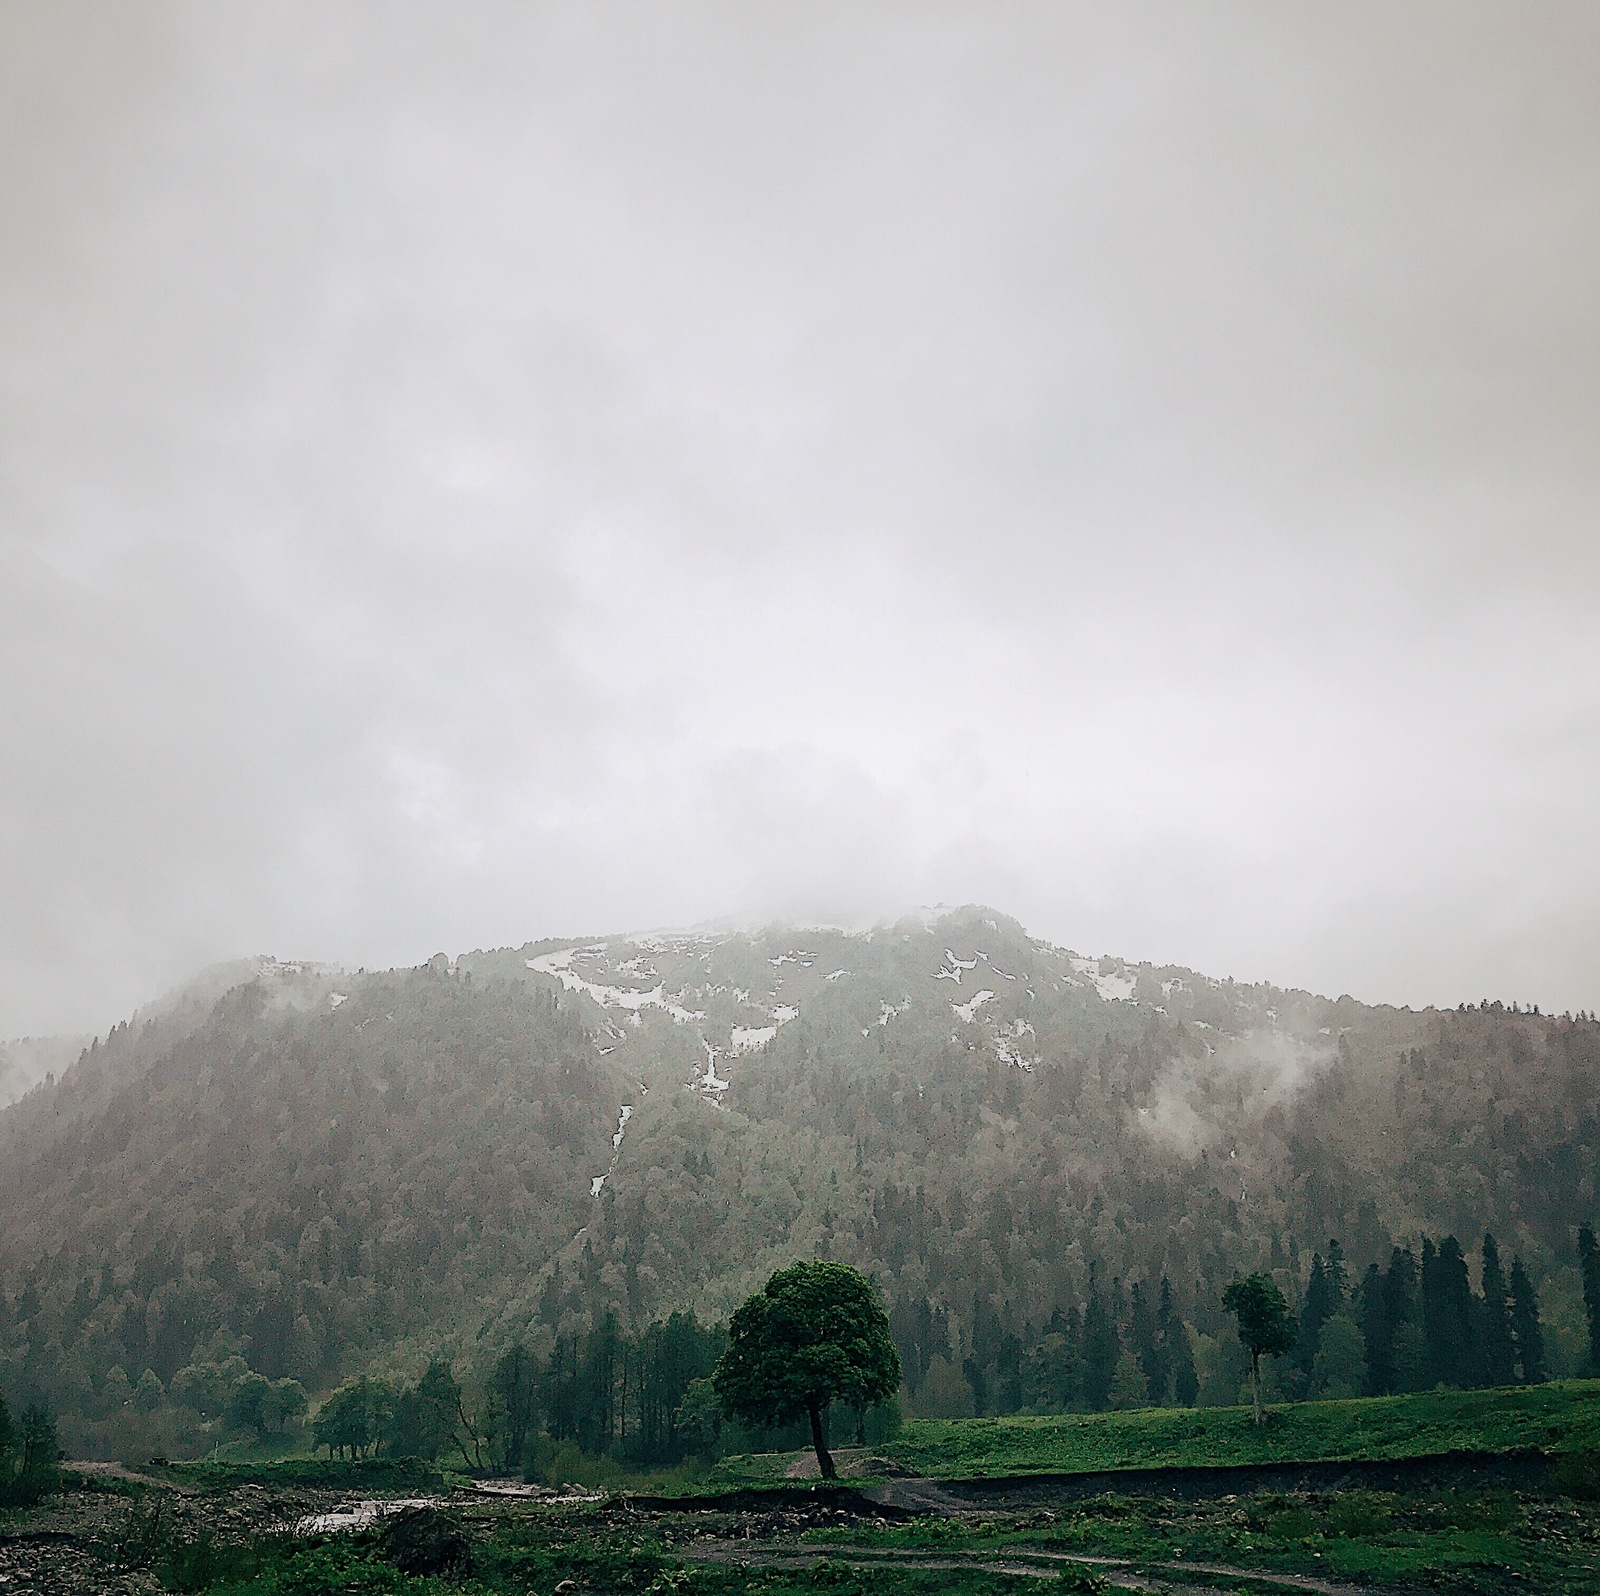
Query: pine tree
x=1589 y=1262
x=1325 y=1297
x=1174 y=1355
x=1102 y=1346
x=1408 y=1354
x=1185 y=1379
x=515 y=1385
x=1497 y=1351
x=1376 y=1332
x=1146 y=1344
x=1338 y=1276
x=41 y=1451
x=1312 y=1314
x=1525 y=1327
x=1448 y=1314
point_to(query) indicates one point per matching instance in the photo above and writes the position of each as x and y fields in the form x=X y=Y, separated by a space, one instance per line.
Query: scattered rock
x=422 y=1540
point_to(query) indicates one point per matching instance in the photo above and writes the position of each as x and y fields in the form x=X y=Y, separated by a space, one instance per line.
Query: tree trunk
x=1255 y=1382
x=824 y=1461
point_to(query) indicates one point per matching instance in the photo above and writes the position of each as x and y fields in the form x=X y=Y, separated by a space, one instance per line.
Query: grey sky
x=473 y=472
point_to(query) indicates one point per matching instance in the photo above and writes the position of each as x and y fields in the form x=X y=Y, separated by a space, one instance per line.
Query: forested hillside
x=320 y=1172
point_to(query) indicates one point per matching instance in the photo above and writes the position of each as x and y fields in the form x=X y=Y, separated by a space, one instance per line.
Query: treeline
x=642 y=1399
x=1124 y=1347
x=1423 y=1324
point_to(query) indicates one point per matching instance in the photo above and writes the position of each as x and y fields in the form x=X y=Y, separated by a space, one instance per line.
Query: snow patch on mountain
x=597 y=1184
x=969 y=1011
x=609 y=997
x=1113 y=988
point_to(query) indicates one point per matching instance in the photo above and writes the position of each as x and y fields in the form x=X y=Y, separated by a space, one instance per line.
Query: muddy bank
x=1524 y=1471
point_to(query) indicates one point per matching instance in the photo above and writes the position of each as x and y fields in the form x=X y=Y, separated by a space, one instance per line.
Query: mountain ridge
x=323 y=1168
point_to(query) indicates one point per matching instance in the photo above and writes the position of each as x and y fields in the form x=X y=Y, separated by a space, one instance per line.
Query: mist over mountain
x=27 y=1060
x=322 y=1170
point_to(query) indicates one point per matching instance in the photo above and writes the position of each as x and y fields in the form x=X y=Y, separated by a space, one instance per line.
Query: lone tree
x=815 y=1334
x=1266 y=1327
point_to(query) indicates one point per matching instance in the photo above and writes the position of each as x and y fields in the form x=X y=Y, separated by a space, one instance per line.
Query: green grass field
x=237 y=1535
x=1561 y=1417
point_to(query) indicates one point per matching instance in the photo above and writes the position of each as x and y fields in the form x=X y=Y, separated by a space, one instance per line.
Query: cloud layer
x=478 y=472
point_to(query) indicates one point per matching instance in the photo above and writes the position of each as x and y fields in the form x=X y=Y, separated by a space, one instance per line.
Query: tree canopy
x=814 y=1335
x=1266 y=1327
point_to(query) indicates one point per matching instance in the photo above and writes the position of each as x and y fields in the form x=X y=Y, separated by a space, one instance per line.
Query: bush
x=548 y=1462
x=198 y=1564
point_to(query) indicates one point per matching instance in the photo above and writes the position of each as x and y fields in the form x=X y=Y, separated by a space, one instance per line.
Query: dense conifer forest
x=287 y=1178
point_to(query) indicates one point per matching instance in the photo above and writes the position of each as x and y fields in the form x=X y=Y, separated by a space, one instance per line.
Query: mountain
x=324 y=1170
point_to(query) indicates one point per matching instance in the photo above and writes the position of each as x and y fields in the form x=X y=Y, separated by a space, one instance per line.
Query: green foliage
x=1527 y=1332
x=1129 y=1386
x=426 y=1419
x=353 y=1421
x=1589 y=1264
x=1340 y=1367
x=1265 y=1326
x=30 y=1454
x=1559 y=1418
x=815 y=1335
x=264 y=1406
x=201 y=1562
x=515 y=1385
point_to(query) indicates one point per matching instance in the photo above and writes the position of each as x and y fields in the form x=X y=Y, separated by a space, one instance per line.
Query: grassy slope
x=1561 y=1417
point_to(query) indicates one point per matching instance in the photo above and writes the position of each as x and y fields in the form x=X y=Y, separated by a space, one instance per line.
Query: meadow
x=1559 y=1418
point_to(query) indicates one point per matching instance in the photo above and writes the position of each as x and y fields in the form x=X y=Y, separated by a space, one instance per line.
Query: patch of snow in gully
x=969 y=1011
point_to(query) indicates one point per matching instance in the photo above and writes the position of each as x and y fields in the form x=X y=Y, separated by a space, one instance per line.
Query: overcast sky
x=473 y=472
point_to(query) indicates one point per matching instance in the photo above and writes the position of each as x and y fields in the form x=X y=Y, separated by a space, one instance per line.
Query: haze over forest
x=293 y=1174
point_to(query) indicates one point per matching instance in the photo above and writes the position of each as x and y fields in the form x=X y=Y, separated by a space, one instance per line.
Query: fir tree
x=1589 y=1262
x=1146 y=1344
x=516 y=1387
x=1179 y=1383
x=1497 y=1351
x=1448 y=1314
x=1376 y=1336
x=1526 y=1330
x=1325 y=1296
x=41 y=1451
x=1102 y=1346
